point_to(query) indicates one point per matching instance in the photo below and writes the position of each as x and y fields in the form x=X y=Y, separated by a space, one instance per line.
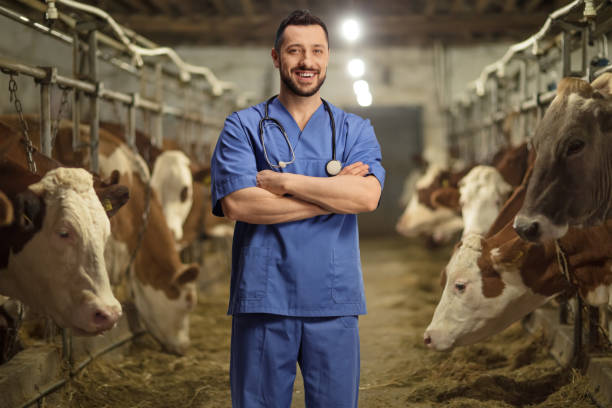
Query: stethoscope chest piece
x=333 y=167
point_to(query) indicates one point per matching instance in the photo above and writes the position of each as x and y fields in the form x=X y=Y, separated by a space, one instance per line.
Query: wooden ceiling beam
x=160 y=6
x=220 y=6
x=509 y=6
x=531 y=5
x=481 y=6
x=260 y=28
x=247 y=8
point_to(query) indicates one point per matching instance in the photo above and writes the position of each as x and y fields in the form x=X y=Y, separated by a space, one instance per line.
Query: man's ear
x=275 y=57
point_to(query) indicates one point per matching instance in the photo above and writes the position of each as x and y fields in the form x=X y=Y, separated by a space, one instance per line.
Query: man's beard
x=293 y=87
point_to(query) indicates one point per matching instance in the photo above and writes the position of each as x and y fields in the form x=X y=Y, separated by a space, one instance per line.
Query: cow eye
x=64 y=234
x=460 y=287
x=184 y=193
x=574 y=147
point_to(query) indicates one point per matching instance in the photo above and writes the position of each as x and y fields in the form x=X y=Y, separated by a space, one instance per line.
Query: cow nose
x=427 y=339
x=105 y=319
x=527 y=229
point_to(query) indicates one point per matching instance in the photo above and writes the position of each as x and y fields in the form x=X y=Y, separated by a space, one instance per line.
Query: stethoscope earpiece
x=332 y=168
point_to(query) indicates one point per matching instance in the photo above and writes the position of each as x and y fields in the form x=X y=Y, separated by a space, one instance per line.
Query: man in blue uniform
x=293 y=172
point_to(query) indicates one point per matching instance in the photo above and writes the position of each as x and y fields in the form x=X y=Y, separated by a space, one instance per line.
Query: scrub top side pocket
x=253 y=267
x=347 y=286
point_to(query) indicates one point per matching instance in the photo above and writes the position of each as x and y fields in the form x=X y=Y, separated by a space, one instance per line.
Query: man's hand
x=272 y=181
x=355 y=169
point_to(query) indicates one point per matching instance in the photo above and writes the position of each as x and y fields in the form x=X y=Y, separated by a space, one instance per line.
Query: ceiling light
x=356 y=67
x=351 y=29
x=364 y=99
x=361 y=86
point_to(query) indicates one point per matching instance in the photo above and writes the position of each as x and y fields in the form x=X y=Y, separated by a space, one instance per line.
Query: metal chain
x=55 y=125
x=24 y=126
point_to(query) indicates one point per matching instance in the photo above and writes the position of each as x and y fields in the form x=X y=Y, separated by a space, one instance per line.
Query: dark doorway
x=399 y=130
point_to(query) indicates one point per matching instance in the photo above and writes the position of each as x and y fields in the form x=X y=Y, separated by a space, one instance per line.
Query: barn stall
x=101 y=63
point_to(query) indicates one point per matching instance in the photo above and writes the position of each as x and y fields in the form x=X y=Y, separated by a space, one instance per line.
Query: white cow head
x=483 y=192
x=482 y=295
x=166 y=313
x=172 y=182
x=60 y=270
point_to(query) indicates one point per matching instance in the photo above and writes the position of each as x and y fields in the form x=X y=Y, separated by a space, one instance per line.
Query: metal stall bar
x=84 y=86
x=94 y=101
x=45 y=109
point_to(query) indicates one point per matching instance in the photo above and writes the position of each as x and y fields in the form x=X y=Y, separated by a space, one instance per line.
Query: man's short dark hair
x=298 y=17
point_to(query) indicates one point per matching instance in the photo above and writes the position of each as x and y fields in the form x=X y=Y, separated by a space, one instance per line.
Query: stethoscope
x=332 y=168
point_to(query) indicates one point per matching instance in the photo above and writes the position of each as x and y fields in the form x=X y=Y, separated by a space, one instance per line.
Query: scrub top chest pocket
x=253 y=266
x=347 y=281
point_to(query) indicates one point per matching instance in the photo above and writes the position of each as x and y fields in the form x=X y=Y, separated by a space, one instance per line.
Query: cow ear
x=201 y=174
x=446 y=197
x=511 y=253
x=29 y=209
x=6 y=210
x=188 y=273
x=603 y=84
x=113 y=198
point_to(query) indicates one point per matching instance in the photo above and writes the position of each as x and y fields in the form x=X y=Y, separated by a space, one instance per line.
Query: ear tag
x=518 y=256
x=206 y=180
x=108 y=206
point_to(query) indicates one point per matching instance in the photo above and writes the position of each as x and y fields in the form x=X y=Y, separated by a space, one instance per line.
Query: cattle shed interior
x=465 y=309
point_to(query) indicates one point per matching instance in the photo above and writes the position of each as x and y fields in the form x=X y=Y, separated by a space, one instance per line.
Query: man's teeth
x=306 y=74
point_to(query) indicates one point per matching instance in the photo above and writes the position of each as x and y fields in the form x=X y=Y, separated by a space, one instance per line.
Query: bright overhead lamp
x=360 y=86
x=364 y=99
x=351 y=29
x=356 y=67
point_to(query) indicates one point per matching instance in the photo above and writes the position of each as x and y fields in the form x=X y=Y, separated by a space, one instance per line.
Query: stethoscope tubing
x=282 y=164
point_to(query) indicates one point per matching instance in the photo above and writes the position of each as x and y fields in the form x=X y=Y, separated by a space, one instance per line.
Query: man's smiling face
x=303 y=59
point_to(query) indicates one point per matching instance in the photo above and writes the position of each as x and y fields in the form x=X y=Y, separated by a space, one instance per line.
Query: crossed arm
x=347 y=193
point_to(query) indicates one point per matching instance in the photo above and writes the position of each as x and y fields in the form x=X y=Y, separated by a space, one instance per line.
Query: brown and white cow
x=171 y=178
x=163 y=288
x=493 y=281
x=572 y=177
x=52 y=252
x=422 y=218
x=482 y=193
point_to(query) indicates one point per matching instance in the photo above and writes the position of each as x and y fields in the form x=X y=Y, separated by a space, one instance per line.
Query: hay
x=513 y=369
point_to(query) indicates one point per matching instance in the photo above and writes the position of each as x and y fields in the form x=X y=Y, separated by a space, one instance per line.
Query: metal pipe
x=532 y=41
x=157 y=136
x=94 y=103
x=90 y=88
x=131 y=123
x=45 y=119
x=76 y=95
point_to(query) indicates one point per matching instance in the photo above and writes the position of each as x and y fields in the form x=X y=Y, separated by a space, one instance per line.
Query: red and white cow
x=52 y=251
x=421 y=218
x=171 y=178
x=492 y=281
x=482 y=193
x=163 y=288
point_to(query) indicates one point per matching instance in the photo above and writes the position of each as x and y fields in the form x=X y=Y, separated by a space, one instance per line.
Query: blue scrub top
x=309 y=267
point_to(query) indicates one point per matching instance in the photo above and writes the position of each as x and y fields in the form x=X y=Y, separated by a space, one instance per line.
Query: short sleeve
x=365 y=148
x=233 y=165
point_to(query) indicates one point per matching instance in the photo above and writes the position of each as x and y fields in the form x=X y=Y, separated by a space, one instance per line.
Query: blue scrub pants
x=266 y=347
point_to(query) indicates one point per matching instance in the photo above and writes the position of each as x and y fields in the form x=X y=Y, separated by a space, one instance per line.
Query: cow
x=572 y=176
x=494 y=280
x=171 y=177
x=421 y=218
x=142 y=259
x=52 y=251
x=7 y=214
x=482 y=193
